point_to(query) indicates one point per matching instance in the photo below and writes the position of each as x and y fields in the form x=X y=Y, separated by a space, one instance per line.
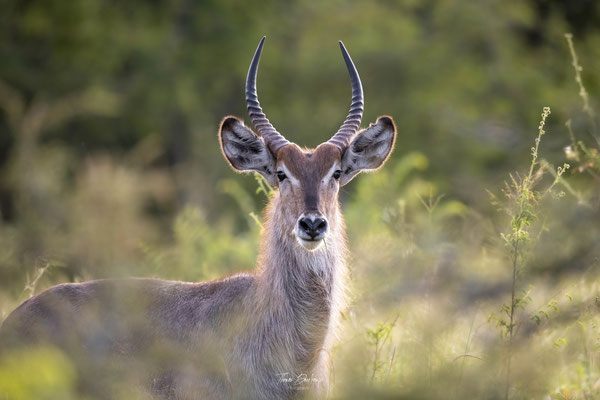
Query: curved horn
x=342 y=137
x=273 y=139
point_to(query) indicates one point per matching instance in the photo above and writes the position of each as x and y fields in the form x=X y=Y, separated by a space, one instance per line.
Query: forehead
x=309 y=163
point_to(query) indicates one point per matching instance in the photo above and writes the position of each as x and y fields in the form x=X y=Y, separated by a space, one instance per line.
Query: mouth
x=311 y=244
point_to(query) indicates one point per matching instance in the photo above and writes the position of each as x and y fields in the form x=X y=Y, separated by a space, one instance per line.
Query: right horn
x=342 y=137
x=265 y=129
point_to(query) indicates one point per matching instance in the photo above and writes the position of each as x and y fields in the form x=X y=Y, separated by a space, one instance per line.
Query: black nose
x=313 y=228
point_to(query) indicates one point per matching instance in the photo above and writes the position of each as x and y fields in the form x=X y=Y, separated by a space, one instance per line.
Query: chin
x=311 y=245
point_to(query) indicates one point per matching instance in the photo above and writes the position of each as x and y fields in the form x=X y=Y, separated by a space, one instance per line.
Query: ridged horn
x=342 y=137
x=264 y=128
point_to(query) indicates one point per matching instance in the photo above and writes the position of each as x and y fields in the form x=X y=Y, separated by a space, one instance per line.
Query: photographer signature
x=301 y=381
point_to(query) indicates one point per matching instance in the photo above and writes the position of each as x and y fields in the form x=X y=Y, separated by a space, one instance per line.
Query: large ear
x=369 y=149
x=244 y=150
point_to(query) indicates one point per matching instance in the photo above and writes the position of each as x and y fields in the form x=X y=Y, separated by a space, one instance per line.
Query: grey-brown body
x=137 y=332
x=246 y=336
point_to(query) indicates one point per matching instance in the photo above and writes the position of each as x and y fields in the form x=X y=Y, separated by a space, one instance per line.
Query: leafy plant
x=378 y=337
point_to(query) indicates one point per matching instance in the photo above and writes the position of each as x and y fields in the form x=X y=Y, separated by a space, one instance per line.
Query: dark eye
x=337 y=174
x=281 y=176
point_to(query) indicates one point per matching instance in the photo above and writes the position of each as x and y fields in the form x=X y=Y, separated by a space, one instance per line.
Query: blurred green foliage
x=110 y=166
x=41 y=373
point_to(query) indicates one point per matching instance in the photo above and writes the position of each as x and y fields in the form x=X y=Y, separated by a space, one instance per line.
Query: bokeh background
x=110 y=167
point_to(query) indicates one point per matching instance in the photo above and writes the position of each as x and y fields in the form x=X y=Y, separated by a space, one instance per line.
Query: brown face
x=309 y=182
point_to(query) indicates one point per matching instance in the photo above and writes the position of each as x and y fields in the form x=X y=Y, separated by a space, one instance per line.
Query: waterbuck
x=260 y=335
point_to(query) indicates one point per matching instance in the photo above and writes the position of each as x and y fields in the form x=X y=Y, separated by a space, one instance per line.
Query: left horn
x=342 y=137
x=265 y=129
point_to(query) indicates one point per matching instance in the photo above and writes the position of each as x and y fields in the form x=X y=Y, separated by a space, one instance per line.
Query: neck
x=300 y=292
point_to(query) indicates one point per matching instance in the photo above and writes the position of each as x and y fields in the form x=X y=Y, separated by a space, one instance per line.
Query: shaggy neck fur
x=300 y=294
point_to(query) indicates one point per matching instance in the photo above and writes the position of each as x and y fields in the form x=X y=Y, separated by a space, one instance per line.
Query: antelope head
x=308 y=179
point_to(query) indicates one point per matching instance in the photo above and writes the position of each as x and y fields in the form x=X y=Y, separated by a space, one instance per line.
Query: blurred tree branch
x=43 y=114
x=27 y=122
